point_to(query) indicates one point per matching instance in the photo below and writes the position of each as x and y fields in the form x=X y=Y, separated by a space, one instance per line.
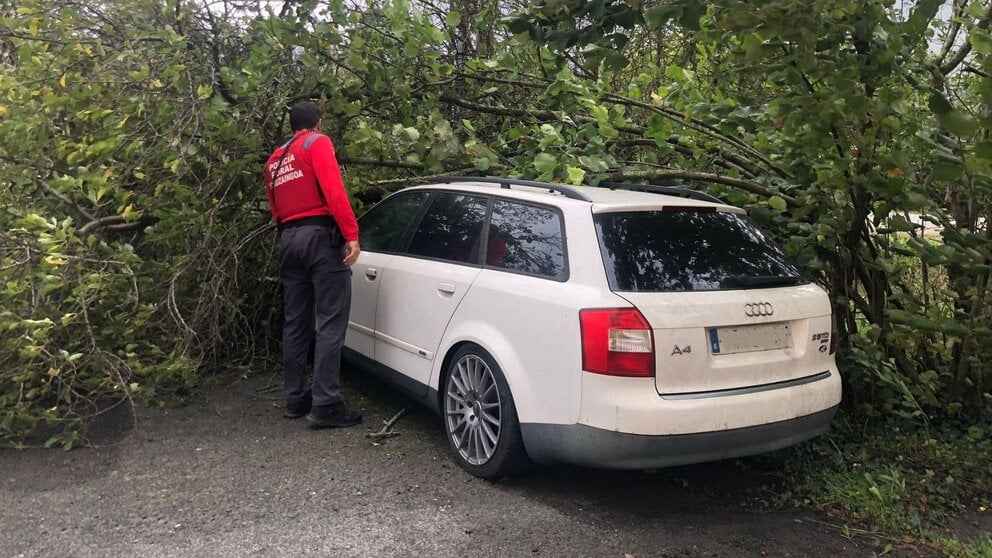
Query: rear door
x=422 y=286
x=727 y=308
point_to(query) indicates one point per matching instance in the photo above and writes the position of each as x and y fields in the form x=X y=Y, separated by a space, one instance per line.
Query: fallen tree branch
x=380 y=162
x=687 y=152
x=542 y=115
x=551 y=116
x=669 y=174
x=387 y=430
x=702 y=128
x=66 y=200
x=100 y=223
x=397 y=183
x=687 y=121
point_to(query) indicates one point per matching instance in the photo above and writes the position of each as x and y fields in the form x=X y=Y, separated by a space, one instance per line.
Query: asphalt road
x=228 y=476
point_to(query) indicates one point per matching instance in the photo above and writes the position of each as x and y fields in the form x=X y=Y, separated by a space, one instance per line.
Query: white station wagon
x=631 y=327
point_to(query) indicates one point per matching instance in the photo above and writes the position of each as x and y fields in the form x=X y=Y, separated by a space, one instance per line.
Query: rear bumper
x=579 y=444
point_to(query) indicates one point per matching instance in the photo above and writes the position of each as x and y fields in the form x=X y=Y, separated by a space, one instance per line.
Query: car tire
x=479 y=416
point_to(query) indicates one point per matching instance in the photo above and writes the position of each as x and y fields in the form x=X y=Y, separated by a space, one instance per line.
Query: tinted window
x=689 y=251
x=381 y=228
x=451 y=229
x=525 y=238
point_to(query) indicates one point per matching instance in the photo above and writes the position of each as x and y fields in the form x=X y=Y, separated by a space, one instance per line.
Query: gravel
x=226 y=475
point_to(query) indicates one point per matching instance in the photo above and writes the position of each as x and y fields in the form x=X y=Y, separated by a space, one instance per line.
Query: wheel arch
x=495 y=344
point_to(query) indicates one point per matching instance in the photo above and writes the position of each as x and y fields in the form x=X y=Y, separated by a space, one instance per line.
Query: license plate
x=749 y=338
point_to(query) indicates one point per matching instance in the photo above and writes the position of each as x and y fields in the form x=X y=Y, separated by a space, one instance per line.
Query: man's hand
x=351 y=253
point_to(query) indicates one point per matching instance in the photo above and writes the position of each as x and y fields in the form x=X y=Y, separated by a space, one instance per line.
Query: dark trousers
x=317 y=300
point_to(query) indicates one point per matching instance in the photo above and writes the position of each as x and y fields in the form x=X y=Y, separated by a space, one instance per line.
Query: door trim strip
x=361 y=329
x=424 y=353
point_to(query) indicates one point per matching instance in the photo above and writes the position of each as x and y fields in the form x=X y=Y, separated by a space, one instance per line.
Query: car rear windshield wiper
x=764 y=280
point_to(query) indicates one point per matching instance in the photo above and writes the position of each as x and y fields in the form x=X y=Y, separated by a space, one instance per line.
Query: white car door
x=365 y=281
x=421 y=288
x=382 y=229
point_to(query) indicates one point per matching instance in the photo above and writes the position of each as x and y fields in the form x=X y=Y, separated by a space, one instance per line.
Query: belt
x=319 y=220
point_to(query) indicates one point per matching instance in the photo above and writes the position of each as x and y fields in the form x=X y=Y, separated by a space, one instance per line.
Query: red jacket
x=309 y=183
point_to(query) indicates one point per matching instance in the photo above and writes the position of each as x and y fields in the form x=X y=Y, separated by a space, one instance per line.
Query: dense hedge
x=136 y=251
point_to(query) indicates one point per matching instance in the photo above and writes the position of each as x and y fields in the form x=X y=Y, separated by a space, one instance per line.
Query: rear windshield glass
x=689 y=251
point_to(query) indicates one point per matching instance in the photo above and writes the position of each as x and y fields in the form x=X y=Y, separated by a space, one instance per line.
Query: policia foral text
x=318 y=242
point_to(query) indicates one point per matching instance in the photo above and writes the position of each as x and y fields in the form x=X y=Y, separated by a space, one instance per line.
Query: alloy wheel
x=472 y=409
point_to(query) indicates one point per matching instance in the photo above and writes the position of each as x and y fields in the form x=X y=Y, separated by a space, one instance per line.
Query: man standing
x=317 y=245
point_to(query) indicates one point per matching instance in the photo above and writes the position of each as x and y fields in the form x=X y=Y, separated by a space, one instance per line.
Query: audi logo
x=756 y=309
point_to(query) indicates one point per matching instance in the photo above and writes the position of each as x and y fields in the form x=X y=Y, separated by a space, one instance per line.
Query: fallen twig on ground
x=387 y=430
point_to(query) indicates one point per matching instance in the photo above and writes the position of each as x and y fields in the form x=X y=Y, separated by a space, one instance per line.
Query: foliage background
x=137 y=255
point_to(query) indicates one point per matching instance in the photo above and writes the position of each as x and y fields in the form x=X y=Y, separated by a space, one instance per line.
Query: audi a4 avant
x=603 y=327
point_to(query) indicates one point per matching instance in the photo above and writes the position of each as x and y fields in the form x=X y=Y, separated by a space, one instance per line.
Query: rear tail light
x=616 y=342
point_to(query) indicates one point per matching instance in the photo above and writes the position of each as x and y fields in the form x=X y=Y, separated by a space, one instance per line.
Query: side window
x=381 y=228
x=451 y=229
x=526 y=238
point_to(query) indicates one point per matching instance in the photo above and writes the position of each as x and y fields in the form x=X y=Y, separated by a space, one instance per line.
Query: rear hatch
x=727 y=308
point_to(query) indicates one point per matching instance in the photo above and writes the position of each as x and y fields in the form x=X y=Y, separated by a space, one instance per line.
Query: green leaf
x=658 y=16
x=453 y=18
x=954 y=329
x=876 y=492
x=947 y=171
x=752 y=44
x=984 y=149
x=938 y=104
x=692 y=13
x=517 y=24
x=914 y=321
x=777 y=203
x=615 y=61
x=981 y=41
x=576 y=175
x=899 y=223
x=352 y=109
x=545 y=162
x=960 y=123
x=595 y=163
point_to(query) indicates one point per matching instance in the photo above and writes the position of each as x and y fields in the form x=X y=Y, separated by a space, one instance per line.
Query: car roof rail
x=666 y=190
x=565 y=190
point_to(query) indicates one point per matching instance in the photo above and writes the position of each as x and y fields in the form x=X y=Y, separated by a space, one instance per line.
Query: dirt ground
x=228 y=476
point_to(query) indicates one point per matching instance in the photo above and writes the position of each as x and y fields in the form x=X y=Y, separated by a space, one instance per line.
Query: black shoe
x=333 y=416
x=297 y=409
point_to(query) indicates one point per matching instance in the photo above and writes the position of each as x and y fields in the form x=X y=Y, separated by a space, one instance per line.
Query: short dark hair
x=304 y=115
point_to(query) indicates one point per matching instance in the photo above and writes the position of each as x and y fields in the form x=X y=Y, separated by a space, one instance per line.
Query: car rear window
x=526 y=239
x=664 y=251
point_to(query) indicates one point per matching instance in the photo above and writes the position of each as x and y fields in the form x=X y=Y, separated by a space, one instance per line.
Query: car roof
x=603 y=199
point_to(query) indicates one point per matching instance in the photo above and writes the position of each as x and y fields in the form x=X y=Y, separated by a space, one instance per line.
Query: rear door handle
x=446 y=288
x=371 y=273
